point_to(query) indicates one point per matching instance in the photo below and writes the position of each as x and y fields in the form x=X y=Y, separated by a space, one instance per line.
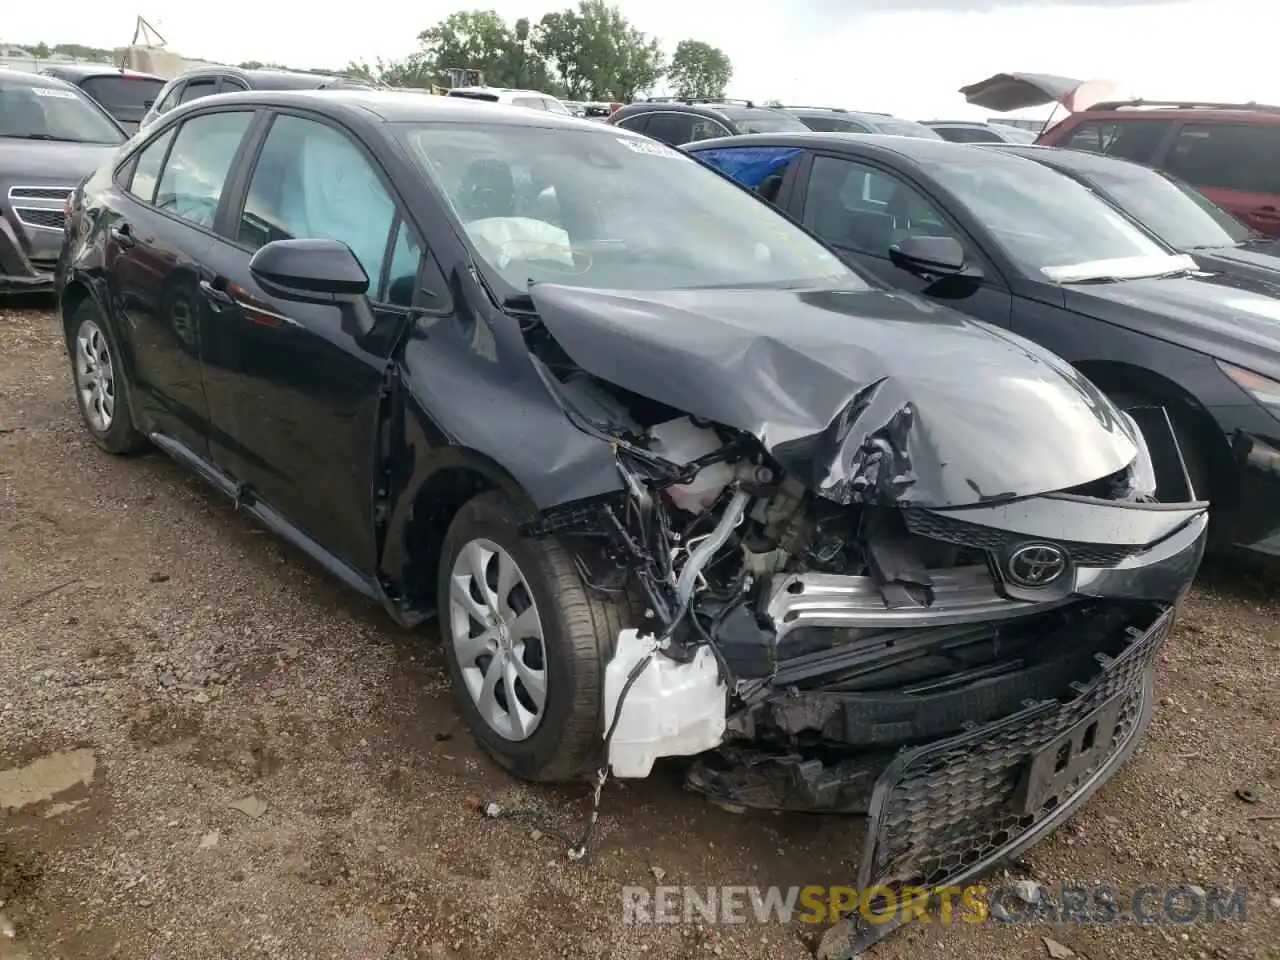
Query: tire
x=101 y=387
x=578 y=631
x=1197 y=466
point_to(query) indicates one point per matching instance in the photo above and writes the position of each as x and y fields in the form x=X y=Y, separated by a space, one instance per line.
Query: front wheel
x=525 y=642
x=102 y=394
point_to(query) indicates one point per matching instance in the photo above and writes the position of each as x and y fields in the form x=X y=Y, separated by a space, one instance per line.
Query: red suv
x=1226 y=150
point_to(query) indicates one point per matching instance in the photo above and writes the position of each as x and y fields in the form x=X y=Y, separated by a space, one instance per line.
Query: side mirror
x=315 y=271
x=936 y=256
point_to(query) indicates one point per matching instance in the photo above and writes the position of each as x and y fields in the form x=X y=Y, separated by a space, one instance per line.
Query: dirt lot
x=168 y=659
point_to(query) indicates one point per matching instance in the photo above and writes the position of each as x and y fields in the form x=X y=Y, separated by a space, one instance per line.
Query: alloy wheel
x=95 y=376
x=497 y=638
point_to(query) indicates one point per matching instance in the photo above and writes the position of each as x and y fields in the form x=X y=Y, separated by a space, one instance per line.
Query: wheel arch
x=450 y=477
x=1117 y=378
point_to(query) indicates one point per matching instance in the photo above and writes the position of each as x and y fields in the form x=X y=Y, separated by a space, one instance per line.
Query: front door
x=862 y=210
x=294 y=390
x=159 y=240
x=1234 y=165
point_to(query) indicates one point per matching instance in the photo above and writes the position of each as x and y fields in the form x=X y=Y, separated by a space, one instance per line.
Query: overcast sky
x=906 y=57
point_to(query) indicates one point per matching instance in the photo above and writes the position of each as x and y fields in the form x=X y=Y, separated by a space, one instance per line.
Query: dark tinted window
x=1233 y=156
x=704 y=128
x=146 y=169
x=196 y=171
x=756 y=120
x=402 y=272
x=967 y=134
x=195 y=89
x=823 y=124
x=672 y=128
x=637 y=122
x=311 y=181
x=115 y=90
x=233 y=85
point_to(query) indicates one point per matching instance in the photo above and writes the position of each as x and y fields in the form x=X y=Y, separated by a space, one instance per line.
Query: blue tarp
x=749 y=165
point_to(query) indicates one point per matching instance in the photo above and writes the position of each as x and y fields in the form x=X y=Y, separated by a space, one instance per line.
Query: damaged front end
x=817 y=639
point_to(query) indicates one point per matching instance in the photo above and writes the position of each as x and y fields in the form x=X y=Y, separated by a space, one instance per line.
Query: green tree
x=41 y=50
x=699 y=70
x=595 y=53
x=472 y=40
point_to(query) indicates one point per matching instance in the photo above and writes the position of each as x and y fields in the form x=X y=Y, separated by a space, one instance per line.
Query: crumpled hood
x=1229 y=317
x=865 y=396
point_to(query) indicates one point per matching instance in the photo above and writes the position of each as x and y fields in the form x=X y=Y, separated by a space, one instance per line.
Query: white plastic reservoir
x=682 y=441
x=672 y=710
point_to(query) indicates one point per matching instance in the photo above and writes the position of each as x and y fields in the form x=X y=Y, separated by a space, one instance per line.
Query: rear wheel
x=525 y=642
x=102 y=393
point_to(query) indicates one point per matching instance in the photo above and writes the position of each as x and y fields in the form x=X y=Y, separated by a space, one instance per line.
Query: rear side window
x=194 y=175
x=968 y=134
x=636 y=123
x=705 y=128
x=670 y=128
x=530 y=103
x=195 y=89
x=170 y=99
x=146 y=169
x=123 y=92
x=822 y=124
x=1230 y=156
x=1135 y=140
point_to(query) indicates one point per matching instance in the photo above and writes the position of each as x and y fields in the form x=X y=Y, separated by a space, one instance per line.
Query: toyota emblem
x=1037 y=565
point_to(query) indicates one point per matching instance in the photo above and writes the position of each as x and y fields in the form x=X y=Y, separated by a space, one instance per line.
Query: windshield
x=748 y=120
x=1179 y=215
x=29 y=112
x=1046 y=221
x=610 y=210
x=906 y=128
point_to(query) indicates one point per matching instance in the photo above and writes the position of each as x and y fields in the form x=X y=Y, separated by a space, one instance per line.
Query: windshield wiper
x=42 y=136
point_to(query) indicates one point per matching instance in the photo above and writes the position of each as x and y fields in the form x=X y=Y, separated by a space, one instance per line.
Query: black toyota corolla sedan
x=1025 y=248
x=1174 y=211
x=675 y=480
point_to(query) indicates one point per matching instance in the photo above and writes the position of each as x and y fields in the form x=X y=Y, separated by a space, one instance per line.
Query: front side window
x=866 y=210
x=609 y=210
x=402 y=271
x=1179 y=215
x=1137 y=140
x=1091 y=137
x=1230 y=156
x=312 y=182
x=146 y=172
x=196 y=172
x=638 y=122
x=1050 y=224
x=31 y=112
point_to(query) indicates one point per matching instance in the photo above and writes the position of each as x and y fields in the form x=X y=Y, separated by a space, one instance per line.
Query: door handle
x=123 y=235
x=216 y=294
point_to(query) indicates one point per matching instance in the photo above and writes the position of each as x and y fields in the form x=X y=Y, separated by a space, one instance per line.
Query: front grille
x=40 y=193
x=40 y=217
x=946 y=810
x=962 y=533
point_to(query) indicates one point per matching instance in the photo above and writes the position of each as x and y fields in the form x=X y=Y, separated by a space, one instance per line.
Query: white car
x=532 y=99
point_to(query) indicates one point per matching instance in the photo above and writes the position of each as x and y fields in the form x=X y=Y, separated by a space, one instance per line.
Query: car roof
x=1173 y=110
x=955 y=123
x=35 y=79
x=920 y=150
x=267 y=79
x=83 y=70
x=397 y=107
x=515 y=91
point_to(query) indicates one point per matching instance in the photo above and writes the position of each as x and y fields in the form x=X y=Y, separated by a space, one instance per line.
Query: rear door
x=293 y=389
x=671 y=128
x=862 y=208
x=157 y=241
x=1234 y=165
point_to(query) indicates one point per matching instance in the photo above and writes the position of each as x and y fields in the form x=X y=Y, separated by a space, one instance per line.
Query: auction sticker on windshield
x=53 y=92
x=651 y=147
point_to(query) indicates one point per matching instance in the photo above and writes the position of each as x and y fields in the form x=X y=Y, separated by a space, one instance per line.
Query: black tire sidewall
x=490 y=517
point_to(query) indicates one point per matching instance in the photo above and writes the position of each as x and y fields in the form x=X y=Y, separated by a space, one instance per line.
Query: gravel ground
x=161 y=659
